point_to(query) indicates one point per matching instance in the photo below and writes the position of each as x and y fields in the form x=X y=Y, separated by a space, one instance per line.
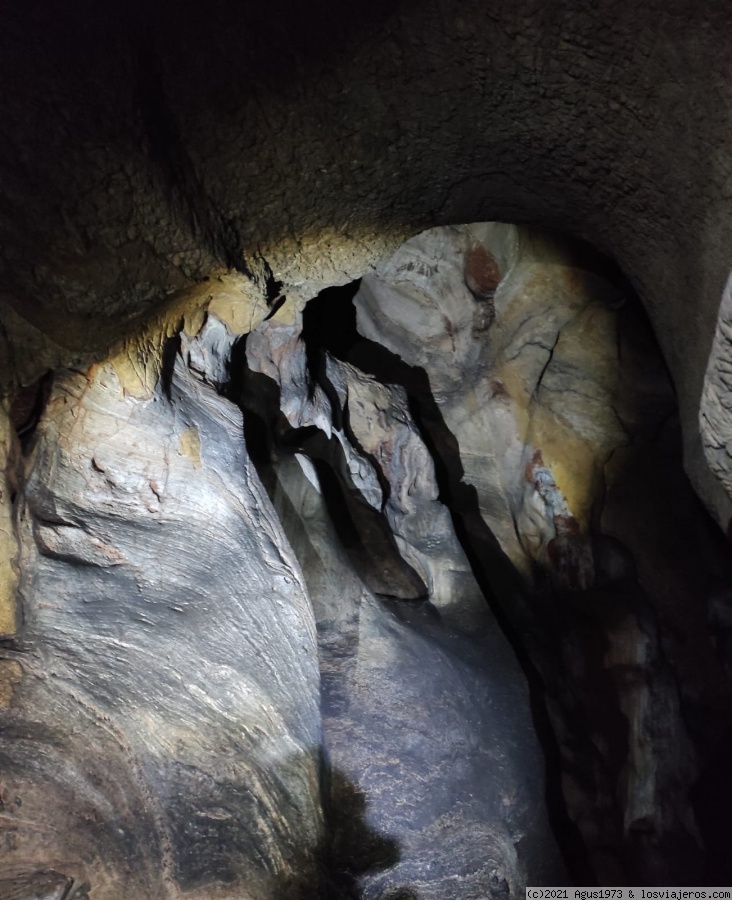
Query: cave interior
x=365 y=492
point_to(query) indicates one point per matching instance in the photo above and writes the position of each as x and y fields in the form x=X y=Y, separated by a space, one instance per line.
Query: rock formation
x=166 y=709
x=150 y=146
x=550 y=416
x=347 y=551
x=391 y=594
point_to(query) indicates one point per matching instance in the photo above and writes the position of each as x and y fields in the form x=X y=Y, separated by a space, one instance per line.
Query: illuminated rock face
x=164 y=736
x=539 y=387
x=183 y=166
x=394 y=594
x=530 y=380
x=437 y=780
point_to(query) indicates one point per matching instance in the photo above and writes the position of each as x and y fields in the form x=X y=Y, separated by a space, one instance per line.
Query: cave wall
x=543 y=395
x=223 y=693
x=166 y=169
x=399 y=590
x=161 y=728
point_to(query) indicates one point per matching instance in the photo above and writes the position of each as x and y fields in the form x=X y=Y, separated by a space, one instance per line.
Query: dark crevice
x=363 y=531
x=326 y=323
x=272 y=288
x=171 y=350
x=276 y=304
x=27 y=408
x=332 y=328
x=546 y=365
x=329 y=323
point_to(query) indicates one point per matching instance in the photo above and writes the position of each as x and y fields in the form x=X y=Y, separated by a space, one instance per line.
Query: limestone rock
x=283 y=597
x=436 y=784
x=541 y=412
x=529 y=401
x=301 y=413
x=164 y=739
x=181 y=153
x=381 y=425
x=715 y=421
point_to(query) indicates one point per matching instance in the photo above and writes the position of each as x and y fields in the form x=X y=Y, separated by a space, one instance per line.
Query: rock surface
x=163 y=738
x=540 y=390
x=426 y=713
x=428 y=723
x=8 y=537
x=403 y=596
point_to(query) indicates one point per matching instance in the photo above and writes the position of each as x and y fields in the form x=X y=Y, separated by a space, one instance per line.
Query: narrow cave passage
x=528 y=371
x=330 y=327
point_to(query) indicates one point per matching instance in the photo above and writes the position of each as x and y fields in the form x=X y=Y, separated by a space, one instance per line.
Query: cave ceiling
x=148 y=147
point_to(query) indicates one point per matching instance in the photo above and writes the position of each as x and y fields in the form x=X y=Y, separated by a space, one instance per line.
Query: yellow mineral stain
x=573 y=450
x=238 y=304
x=190 y=445
x=8 y=540
x=8 y=586
x=10 y=674
x=572 y=461
x=137 y=360
x=137 y=365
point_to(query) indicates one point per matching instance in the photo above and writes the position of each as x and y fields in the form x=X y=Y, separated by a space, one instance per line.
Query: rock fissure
x=562 y=549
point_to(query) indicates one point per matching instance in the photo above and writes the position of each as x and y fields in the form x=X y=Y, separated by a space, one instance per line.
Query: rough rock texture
x=161 y=161
x=161 y=696
x=399 y=597
x=541 y=393
x=150 y=145
x=162 y=738
x=427 y=722
x=380 y=422
x=715 y=421
x=529 y=382
x=426 y=712
x=8 y=539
